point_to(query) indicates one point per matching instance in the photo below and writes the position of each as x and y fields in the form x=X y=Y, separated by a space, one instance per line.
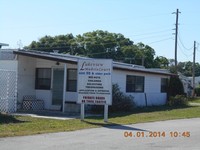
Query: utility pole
x=193 y=70
x=176 y=37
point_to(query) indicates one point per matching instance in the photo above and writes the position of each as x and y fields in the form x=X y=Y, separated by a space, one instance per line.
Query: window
x=43 y=78
x=72 y=80
x=164 y=83
x=134 y=83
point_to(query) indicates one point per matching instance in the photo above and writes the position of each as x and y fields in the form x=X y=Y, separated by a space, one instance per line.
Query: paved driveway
x=181 y=134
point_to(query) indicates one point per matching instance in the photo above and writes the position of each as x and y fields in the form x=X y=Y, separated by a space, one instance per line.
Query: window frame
x=69 y=81
x=39 y=79
x=163 y=88
x=132 y=84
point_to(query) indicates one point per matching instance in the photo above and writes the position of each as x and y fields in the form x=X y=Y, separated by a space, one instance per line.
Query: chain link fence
x=8 y=91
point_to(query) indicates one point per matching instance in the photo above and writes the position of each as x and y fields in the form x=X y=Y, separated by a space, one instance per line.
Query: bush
x=175 y=87
x=178 y=100
x=197 y=91
x=120 y=102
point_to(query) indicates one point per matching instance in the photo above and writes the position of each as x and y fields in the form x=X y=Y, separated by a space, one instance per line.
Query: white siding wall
x=26 y=77
x=46 y=95
x=152 y=88
x=28 y=65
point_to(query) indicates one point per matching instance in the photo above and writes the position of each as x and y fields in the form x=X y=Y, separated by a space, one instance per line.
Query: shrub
x=175 y=86
x=178 y=100
x=120 y=102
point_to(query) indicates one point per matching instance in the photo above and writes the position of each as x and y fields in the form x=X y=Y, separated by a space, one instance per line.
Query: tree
x=147 y=54
x=186 y=68
x=161 y=62
x=102 y=44
x=98 y=44
x=139 y=54
x=63 y=43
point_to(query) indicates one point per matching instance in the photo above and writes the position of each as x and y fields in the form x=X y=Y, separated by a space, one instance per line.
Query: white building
x=41 y=74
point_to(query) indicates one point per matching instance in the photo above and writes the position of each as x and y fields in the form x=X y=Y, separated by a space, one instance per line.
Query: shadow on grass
x=6 y=119
x=111 y=125
x=139 y=110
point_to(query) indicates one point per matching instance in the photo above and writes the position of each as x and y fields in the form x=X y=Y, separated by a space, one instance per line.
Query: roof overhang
x=65 y=58
x=46 y=56
x=145 y=71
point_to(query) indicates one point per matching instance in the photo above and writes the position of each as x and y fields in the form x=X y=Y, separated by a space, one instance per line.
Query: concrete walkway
x=48 y=114
x=51 y=114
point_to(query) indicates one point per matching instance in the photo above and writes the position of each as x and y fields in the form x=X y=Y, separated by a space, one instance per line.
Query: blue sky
x=147 y=21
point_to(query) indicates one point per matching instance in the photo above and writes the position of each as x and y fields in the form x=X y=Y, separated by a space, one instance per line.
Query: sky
x=151 y=22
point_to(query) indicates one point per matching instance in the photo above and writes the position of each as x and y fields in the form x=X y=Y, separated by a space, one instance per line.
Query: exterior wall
x=151 y=96
x=26 y=77
x=152 y=89
x=46 y=95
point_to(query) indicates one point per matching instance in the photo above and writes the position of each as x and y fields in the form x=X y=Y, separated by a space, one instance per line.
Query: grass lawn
x=21 y=125
x=195 y=100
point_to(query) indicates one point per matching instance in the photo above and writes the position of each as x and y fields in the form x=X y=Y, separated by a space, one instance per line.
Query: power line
x=183 y=44
x=155 y=36
x=117 y=44
x=186 y=55
x=150 y=33
x=160 y=40
x=197 y=48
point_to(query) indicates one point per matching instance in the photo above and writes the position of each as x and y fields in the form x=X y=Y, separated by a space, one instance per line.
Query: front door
x=57 y=87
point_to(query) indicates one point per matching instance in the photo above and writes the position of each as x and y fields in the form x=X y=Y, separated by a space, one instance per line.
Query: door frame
x=55 y=107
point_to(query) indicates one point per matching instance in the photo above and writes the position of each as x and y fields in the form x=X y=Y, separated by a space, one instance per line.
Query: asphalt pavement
x=180 y=134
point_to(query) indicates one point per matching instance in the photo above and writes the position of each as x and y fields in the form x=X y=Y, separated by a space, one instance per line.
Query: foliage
x=63 y=43
x=194 y=99
x=103 y=44
x=120 y=102
x=197 y=91
x=175 y=86
x=172 y=69
x=161 y=62
x=186 y=68
x=98 y=44
x=178 y=100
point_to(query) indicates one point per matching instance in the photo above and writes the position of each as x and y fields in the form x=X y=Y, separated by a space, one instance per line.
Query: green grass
x=195 y=100
x=21 y=125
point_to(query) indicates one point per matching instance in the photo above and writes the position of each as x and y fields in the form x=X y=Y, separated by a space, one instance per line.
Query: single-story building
x=43 y=75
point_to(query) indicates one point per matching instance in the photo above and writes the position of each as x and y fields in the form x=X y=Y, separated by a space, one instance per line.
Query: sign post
x=105 y=113
x=95 y=84
x=82 y=112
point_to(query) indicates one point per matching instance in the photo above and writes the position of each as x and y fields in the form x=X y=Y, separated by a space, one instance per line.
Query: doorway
x=57 y=86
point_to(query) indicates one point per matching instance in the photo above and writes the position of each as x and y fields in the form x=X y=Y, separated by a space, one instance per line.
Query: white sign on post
x=94 y=82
